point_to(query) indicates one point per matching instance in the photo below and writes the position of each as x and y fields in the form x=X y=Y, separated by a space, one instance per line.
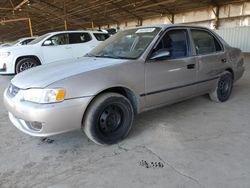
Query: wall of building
x=233 y=22
x=233 y=15
x=237 y=37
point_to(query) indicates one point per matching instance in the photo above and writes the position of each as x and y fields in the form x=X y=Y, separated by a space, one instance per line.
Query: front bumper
x=55 y=118
x=6 y=66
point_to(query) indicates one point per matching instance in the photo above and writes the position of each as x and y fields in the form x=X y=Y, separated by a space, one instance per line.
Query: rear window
x=205 y=43
x=101 y=36
x=75 y=38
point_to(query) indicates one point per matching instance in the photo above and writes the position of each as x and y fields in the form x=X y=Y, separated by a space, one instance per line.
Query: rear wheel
x=108 y=119
x=25 y=64
x=223 y=89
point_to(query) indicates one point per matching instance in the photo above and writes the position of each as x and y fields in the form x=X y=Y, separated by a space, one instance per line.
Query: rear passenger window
x=75 y=38
x=205 y=43
x=101 y=36
x=176 y=42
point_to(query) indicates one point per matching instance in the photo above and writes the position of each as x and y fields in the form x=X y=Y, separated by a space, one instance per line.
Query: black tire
x=108 y=119
x=25 y=64
x=224 y=88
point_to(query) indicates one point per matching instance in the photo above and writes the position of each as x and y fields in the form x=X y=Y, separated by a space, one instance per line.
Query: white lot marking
x=146 y=30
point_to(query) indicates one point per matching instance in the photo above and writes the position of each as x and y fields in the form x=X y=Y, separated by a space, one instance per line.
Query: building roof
x=47 y=15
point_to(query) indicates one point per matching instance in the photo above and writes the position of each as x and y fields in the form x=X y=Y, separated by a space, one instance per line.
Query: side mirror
x=160 y=54
x=48 y=43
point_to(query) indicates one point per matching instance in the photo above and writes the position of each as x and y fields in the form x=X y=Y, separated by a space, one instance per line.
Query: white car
x=19 y=42
x=5 y=45
x=49 y=48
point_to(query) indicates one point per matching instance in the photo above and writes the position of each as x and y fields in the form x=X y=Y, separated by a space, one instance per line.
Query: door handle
x=67 y=48
x=191 y=66
x=224 y=60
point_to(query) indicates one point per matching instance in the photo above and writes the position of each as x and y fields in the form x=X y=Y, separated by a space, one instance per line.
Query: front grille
x=13 y=90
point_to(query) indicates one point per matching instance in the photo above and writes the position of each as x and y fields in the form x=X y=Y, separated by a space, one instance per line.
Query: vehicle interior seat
x=179 y=49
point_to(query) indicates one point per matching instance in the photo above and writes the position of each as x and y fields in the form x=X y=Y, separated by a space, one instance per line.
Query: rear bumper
x=55 y=118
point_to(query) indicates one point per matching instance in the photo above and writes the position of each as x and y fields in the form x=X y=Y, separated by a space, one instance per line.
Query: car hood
x=42 y=76
x=14 y=48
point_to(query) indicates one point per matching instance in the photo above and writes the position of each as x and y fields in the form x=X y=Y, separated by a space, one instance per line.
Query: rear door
x=81 y=43
x=210 y=58
x=171 y=79
x=57 y=48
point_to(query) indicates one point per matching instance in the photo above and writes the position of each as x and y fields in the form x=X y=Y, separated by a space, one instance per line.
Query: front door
x=172 y=78
x=57 y=48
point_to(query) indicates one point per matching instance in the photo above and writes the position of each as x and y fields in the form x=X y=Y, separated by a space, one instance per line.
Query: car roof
x=76 y=31
x=165 y=26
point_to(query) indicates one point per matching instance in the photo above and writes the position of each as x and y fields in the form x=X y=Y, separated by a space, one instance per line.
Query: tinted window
x=175 y=41
x=60 y=39
x=75 y=38
x=205 y=43
x=101 y=36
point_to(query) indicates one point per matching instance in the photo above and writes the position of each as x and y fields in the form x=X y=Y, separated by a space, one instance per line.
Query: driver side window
x=60 y=39
x=174 y=41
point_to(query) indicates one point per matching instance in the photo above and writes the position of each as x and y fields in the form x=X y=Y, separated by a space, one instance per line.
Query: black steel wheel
x=108 y=119
x=111 y=118
x=224 y=88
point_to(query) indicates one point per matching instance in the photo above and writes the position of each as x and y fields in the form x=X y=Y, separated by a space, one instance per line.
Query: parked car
x=23 y=41
x=135 y=70
x=5 y=45
x=110 y=31
x=19 y=42
x=49 y=48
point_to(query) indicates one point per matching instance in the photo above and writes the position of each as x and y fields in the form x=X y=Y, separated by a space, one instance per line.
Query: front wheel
x=108 y=119
x=223 y=89
x=25 y=64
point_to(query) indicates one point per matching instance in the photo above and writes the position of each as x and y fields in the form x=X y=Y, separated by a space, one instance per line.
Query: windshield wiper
x=105 y=56
x=113 y=57
x=121 y=57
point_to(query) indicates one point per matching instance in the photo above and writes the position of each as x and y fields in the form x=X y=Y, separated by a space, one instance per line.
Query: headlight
x=44 y=96
x=4 y=54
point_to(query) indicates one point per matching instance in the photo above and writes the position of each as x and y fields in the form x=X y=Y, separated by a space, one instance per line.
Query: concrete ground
x=196 y=143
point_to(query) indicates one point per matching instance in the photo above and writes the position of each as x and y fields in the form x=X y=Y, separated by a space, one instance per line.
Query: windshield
x=15 y=42
x=39 y=39
x=128 y=44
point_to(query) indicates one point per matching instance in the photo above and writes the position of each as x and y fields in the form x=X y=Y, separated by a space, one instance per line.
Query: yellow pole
x=30 y=26
x=65 y=25
x=65 y=16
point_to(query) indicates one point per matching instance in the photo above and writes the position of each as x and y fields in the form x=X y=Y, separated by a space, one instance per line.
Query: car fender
x=26 y=53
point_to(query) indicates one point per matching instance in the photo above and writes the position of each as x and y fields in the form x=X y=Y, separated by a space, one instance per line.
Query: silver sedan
x=135 y=70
